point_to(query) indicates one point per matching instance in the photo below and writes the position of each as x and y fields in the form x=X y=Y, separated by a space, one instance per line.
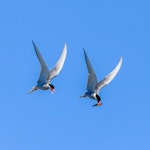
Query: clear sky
x=107 y=29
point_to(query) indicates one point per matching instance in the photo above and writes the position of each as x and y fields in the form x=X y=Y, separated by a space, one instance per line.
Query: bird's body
x=89 y=94
x=43 y=86
x=93 y=86
x=46 y=76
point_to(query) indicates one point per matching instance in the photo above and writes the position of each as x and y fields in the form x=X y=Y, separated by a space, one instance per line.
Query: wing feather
x=109 y=77
x=44 y=69
x=55 y=71
x=92 y=79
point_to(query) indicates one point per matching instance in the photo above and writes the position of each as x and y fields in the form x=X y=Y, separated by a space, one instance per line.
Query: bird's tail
x=32 y=90
x=83 y=96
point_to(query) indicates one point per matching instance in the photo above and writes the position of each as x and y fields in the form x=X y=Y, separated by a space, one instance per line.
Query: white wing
x=55 y=71
x=108 y=78
x=92 y=80
x=44 y=69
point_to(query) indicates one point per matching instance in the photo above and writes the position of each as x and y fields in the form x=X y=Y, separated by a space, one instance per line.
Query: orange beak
x=52 y=90
x=98 y=104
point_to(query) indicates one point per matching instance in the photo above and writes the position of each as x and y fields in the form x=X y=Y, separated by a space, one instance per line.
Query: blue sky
x=62 y=121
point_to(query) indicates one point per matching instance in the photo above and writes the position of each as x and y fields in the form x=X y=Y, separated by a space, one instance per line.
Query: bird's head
x=52 y=88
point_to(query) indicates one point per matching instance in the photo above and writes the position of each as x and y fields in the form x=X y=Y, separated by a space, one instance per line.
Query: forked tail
x=32 y=90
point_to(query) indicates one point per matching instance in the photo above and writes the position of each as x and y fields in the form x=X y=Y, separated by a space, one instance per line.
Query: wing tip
x=120 y=61
x=121 y=58
x=65 y=47
x=84 y=51
x=35 y=47
x=33 y=42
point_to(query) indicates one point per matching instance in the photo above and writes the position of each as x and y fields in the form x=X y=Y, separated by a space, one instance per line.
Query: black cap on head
x=52 y=86
x=98 y=98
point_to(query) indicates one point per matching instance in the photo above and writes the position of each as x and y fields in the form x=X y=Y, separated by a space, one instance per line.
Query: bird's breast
x=43 y=86
x=46 y=86
x=91 y=95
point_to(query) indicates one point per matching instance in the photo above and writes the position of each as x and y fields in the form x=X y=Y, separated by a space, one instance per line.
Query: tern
x=46 y=76
x=93 y=87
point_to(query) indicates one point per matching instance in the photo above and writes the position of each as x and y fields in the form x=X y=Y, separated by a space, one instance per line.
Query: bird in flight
x=46 y=76
x=93 y=86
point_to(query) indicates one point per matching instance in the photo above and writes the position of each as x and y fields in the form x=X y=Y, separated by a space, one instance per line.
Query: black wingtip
x=84 y=50
x=35 y=47
x=33 y=42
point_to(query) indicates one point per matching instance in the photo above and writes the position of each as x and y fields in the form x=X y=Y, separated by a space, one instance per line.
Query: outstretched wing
x=109 y=77
x=44 y=69
x=55 y=71
x=92 y=80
